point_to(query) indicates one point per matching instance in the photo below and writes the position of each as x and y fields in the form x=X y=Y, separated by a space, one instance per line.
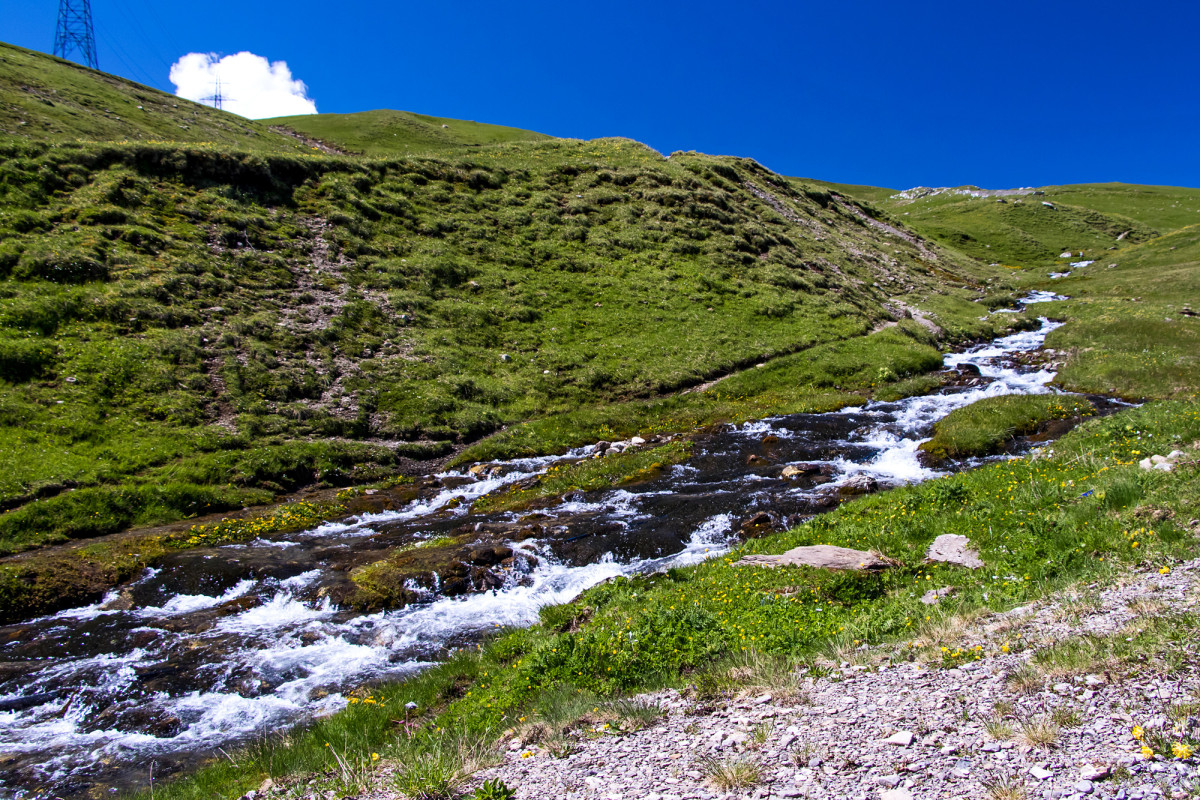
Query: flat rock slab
x=953 y=548
x=820 y=555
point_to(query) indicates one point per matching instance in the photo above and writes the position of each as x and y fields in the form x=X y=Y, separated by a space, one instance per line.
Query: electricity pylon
x=74 y=31
x=217 y=98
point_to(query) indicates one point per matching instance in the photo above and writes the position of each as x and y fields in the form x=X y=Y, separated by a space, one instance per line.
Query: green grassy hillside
x=46 y=99
x=185 y=329
x=1034 y=229
x=389 y=133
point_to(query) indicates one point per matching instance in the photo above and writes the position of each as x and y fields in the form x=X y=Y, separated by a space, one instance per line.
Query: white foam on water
x=762 y=427
x=618 y=504
x=280 y=612
x=187 y=603
x=895 y=463
x=710 y=539
x=465 y=494
x=298 y=582
x=1041 y=296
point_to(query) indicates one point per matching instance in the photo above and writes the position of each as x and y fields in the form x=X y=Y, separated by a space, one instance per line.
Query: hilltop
x=398 y=133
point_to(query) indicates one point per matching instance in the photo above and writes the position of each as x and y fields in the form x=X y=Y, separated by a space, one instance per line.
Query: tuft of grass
x=998 y=728
x=753 y=670
x=634 y=714
x=437 y=766
x=1039 y=730
x=1025 y=680
x=1066 y=717
x=1005 y=787
x=730 y=773
x=761 y=733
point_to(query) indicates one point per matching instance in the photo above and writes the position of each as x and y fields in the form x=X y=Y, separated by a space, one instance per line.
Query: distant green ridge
x=386 y=132
x=47 y=99
x=1037 y=225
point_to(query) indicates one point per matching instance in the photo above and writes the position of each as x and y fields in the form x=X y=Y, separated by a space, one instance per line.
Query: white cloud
x=251 y=86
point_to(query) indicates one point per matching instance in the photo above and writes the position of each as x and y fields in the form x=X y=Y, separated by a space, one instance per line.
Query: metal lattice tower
x=217 y=98
x=74 y=31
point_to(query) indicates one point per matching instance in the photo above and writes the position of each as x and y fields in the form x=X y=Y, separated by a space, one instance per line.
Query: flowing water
x=215 y=646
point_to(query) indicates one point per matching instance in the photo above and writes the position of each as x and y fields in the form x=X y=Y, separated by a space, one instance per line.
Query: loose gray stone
x=820 y=555
x=953 y=548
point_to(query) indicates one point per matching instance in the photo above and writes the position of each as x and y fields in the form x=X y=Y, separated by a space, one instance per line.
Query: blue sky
x=885 y=93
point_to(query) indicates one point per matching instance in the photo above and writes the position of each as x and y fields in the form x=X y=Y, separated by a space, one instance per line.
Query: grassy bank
x=1080 y=510
x=50 y=580
x=985 y=426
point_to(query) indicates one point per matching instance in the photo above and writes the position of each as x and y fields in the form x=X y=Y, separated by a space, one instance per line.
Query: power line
x=74 y=31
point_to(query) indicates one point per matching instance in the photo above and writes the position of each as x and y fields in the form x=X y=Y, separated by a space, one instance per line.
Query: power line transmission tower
x=217 y=98
x=75 y=32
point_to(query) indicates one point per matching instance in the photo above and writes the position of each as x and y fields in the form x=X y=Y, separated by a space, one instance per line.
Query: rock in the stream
x=820 y=555
x=487 y=555
x=800 y=470
x=859 y=484
x=953 y=548
x=759 y=524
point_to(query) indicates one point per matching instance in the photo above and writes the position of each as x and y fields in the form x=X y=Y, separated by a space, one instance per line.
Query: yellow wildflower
x=1181 y=750
x=1138 y=733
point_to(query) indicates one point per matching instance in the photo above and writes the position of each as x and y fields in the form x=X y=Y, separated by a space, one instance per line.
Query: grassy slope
x=1022 y=231
x=43 y=98
x=1134 y=310
x=186 y=329
x=385 y=132
x=163 y=310
x=1128 y=336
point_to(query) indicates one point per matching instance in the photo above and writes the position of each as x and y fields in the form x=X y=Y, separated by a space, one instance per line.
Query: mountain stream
x=220 y=645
